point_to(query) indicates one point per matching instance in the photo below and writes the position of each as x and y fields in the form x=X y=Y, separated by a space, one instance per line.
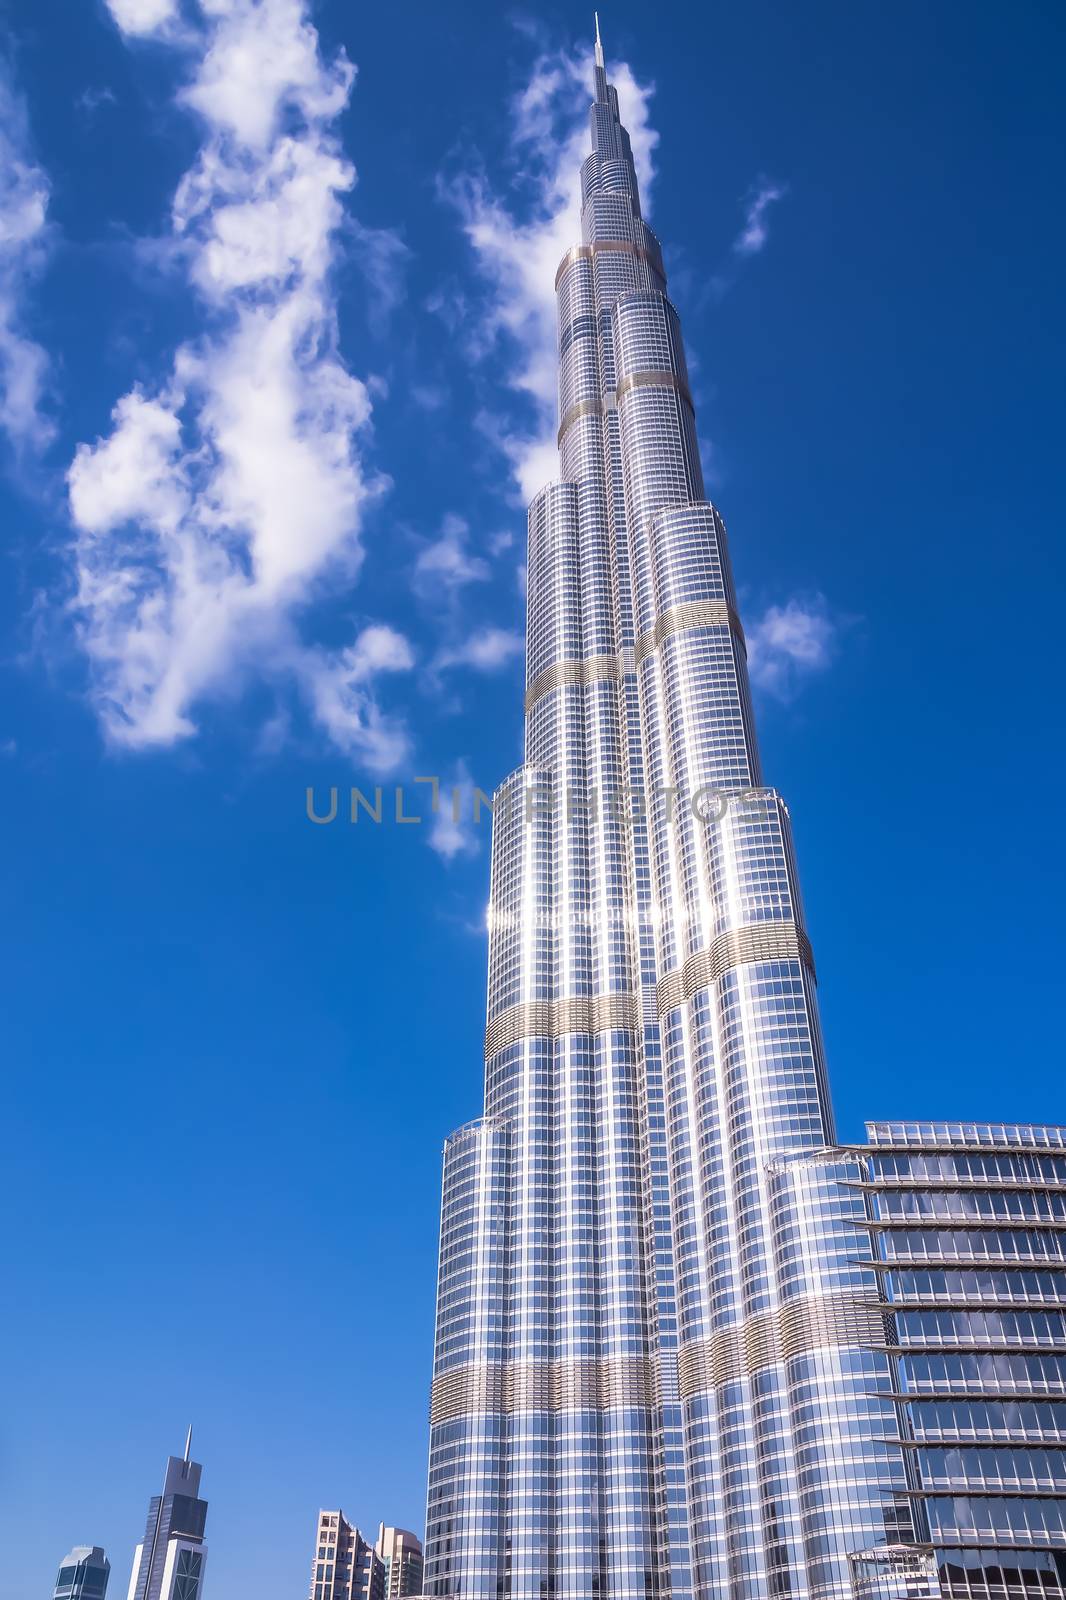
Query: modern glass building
x=83 y=1574
x=969 y=1228
x=667 y=1361
x=955 y=1231
x=169 y=1562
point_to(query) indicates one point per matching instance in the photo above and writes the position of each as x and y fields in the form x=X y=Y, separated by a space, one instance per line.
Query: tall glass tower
x=663 y=1361
x=169 y=1562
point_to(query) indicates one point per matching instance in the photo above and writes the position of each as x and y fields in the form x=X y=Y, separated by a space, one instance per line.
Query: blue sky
x=275 y=379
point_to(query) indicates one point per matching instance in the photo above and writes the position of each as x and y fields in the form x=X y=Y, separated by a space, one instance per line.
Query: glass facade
x=969 y=1227
x=665 y=1363
x=83 y=1574
x=169 y=1562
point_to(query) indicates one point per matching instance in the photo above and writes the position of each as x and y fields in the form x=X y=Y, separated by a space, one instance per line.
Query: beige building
x=401 y=1553
x=345 y=1566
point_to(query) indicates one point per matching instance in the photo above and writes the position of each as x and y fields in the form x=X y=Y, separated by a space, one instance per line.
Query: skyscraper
x=664 y=1363
x=401 y=1553
x=83 y=1574
x=169 y=1562
x=346 y=1566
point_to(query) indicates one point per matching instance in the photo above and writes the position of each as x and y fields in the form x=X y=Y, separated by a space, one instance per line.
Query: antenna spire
x=188 y=1442
x=599 y=46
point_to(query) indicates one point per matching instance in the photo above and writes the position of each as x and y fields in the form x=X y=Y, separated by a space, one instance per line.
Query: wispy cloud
x=382 y=257
x=756 y=230
x=90 y=100
x=447 y=565
x=24 y=193
x=224 y=497
x=453 y=831
x=340 y=688
x=519 y=238
x=791 y=643
x=429 y=396
x=485 y=650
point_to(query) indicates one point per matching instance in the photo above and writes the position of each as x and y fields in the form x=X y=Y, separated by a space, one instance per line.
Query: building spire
x=599 y=46
x=188 y=1442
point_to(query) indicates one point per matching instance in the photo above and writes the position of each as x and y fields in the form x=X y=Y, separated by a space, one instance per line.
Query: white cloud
x=756 y=231
x=262 y=60
x=379 y=649
x=142 y=16
x=339 y=687
x=519 y=243
x=446 y=565
x=790 y=643
x=226 y=499
x=485 y=650
x=24 y=194
x=454 y=831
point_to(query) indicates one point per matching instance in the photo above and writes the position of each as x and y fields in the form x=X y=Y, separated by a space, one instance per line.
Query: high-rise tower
x=83 y=1574
x=663 y=1361
x=169 y=1562
x=346 y=1566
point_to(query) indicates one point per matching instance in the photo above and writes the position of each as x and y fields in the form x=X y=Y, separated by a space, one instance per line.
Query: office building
x=83 y=1574
x=346 y=1566
x=169 y=1562
x=968 y=1243
x=401 y=1553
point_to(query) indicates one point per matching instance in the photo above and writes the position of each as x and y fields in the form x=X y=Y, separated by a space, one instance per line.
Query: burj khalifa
x=662 y=1360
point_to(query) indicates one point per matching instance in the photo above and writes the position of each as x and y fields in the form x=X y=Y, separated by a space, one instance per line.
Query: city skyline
x=208 y=1001
x=170 y=1561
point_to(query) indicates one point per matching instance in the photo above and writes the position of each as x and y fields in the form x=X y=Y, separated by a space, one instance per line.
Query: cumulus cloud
x=519 y=238
x=223 y=500
x=142 y=16
x=755 y=232
x=485 y=650
x=791 y=643
x=24 y=194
